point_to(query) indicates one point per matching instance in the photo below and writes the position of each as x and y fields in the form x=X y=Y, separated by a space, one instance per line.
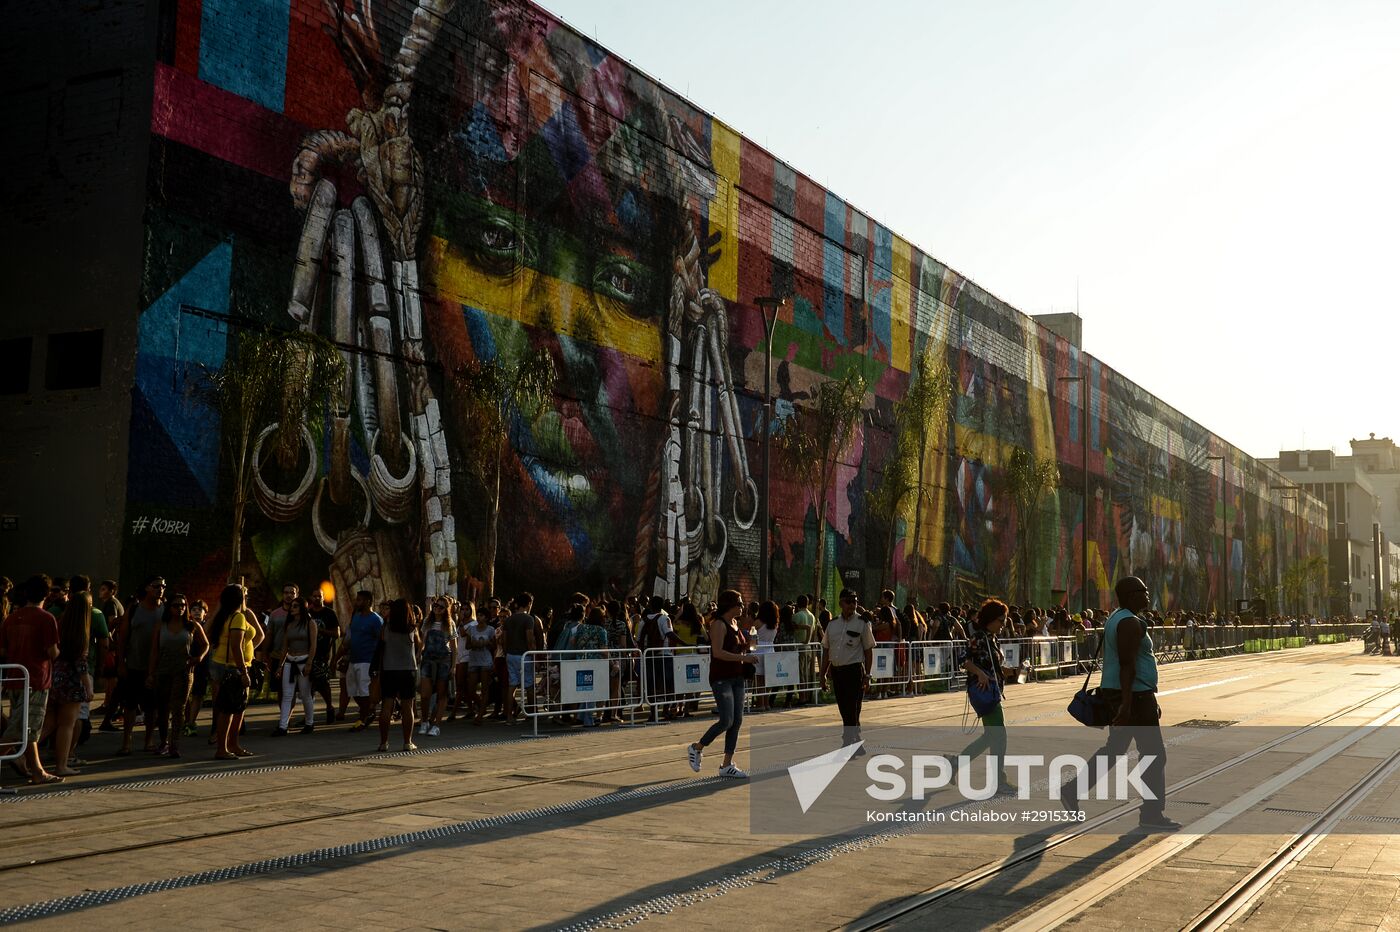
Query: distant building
x=1360 y=491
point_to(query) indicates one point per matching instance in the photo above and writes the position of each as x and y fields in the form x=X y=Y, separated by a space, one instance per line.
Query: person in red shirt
x=29 y=638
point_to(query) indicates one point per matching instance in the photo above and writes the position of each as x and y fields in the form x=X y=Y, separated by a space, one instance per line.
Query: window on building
x=15 y=354
x=73 y=360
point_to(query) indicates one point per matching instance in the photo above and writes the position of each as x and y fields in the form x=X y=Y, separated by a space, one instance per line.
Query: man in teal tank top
x=1129 y=684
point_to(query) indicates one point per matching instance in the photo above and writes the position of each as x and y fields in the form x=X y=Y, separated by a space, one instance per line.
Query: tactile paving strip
x=93 y=898
x=666 y=904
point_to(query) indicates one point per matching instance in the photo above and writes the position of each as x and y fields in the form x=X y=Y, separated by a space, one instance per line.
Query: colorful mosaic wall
x=445 y=182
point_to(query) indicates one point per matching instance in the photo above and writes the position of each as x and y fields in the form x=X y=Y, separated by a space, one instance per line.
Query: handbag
x=1089 y=707
x=984 y=700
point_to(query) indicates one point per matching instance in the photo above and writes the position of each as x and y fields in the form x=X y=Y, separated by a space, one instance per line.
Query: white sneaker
x=423 y=728
x=695 y=755
x=434 y=732
x=729 y=770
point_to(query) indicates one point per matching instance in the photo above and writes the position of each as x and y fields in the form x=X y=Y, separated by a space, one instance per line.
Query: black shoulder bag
x=1089 y=707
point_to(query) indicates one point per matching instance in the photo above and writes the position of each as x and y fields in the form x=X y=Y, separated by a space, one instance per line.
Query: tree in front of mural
x=812 y=442
x=919 y=417
x=922 y=416
x=495 y=394
x=1303 y=577
x=281 y=377
x=1028 y=480
x=898 y=480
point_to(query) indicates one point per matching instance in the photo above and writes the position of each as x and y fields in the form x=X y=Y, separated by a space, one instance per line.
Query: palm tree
x=271 y=375
x=812 y=442
x=1027 y=480
x=494 y=394
x=924 y=414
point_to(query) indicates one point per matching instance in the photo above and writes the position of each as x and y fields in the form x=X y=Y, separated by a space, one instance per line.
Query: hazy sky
x=1222 y=180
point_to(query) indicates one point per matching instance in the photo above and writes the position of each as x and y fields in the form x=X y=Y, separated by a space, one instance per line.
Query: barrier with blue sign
x=585 y=683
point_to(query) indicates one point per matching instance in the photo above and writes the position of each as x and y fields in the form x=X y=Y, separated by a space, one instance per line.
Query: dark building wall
x=77 y=79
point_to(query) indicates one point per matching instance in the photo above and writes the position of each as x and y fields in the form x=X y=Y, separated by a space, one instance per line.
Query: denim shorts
x=515 y=664
x=436 y=671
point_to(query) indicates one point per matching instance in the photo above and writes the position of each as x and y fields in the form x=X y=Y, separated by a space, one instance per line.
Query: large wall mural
x=429 y=185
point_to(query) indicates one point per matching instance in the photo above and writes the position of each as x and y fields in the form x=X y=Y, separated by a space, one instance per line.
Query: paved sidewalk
x=488 y=829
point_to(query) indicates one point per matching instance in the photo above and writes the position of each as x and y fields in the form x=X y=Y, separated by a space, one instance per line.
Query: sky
x=1215 y=185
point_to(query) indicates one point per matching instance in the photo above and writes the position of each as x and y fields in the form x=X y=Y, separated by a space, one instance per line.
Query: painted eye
x=499 y=245
x=623 y=282
x=498 y=236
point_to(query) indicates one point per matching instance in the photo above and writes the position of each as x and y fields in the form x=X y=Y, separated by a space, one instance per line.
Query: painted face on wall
x=552 y=236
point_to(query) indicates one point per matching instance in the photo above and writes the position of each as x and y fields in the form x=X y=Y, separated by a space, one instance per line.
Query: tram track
x=1041 y=919
x=1245 y=894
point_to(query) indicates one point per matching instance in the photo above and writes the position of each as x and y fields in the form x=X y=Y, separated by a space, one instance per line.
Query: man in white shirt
x=847 y=648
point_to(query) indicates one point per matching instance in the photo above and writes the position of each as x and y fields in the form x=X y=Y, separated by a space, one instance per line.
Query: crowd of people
x=158 y=658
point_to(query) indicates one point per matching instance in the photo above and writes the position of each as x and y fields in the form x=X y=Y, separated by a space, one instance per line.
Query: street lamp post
x=1283 y=491
x=1224 y=540
x=769 y=306
x=1084 y=464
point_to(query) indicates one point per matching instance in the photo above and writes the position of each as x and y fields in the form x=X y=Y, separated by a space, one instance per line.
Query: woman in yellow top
x=233 y=635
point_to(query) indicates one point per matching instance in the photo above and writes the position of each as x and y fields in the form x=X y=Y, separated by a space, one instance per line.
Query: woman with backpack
x=658 y=637
x=986 y=684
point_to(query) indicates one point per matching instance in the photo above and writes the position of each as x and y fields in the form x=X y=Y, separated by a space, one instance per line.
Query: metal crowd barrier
x=937 y=662
x=1054 y=655
x=579 y=682
x=679 y=677
x=1175 y=642
x=612 y=680
x=10 y=675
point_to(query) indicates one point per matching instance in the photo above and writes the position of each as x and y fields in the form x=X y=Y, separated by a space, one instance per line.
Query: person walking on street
x=984 y=666
x=1129 y=684
x=847 y=646
x=729 y=655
